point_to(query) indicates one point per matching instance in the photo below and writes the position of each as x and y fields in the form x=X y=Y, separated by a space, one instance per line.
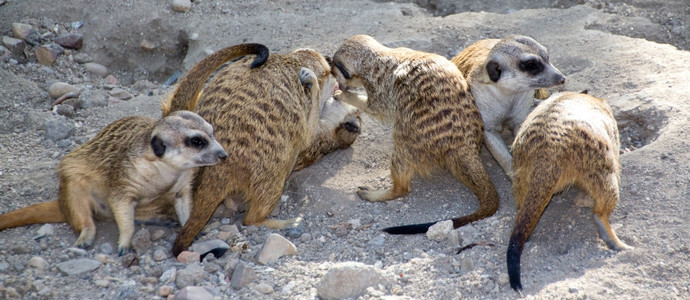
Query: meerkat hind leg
x=401 y=175
x=76 y=199
x=605 y=194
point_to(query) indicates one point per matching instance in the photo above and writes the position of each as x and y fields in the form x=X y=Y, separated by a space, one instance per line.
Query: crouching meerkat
x=435 y=120
x=268 y=117
x=135 y=168
x=570 y=138
x=503 y=76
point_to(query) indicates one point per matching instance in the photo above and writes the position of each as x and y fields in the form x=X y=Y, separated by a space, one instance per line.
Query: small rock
x=294 y=232
x=216 y=247
x=120 y=94
x=101 y=283
x=58 y=89
x=350 y=280
x=47 y=54
x=82 y=58
x=88 y=100
x=106 y=248
x=97 y=69
x=165 y=290
x=264 y=288
x=78 y=266
x=46 y=229
x=306 y=237
x=573 y=290
x=103 y=258
x=130 y=259
x=147 y=45
x=64 y=110
x=21 y=30
x=440 y=230
x=74 y=251
x=195 y=293
x=189 y=257
x=503 y=279
x=70 y=40
x=16 y=46
x=287 y=289
x=141 y=241
x=454 y=238
x=39 y=263
x=190 y=276
x=181 y=5
x=160 y=254
x=242 y=276
x=377 y=241
x=110 y=79
x=274 y=248
x=64 y=143
x=55 y=130
x=466 y=265
x=168 y=276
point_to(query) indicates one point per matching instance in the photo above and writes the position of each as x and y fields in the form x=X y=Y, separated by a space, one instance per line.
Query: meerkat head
x=519 y=62
x=185 y=140
x=347 y=60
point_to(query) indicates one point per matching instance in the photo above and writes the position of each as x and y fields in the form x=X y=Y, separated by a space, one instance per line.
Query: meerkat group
x=277 y=113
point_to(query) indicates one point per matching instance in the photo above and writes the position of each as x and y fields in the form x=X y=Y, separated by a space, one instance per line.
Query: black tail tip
x=409 y=229
x=513 y=262
x=261 y=56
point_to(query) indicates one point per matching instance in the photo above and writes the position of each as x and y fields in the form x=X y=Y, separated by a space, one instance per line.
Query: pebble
x=70 y=40
x=21 y=30
x=110 y=79
x=58 y=89
x=306 y=237
x=466 y=265
x=350 y=280
x=120 y=94
x=264 y=288
x=130 y=259
x=141 y=241
x=377 y=241
x=216 y=247
x=39 y=263
x=78 y=266
x=192 y=275
x=82 y=58
x=294 y=232
x=106 y=248
x=46 y=229
x=55 y=130
x=47 y=54
x=503 y=279
x=89 y=100
x=275 y=247
x=242 y=276
x=165 y=290
x=439 y=231
x=181 y=5
x=160 y=254
x=189 y=257
x=454 y=239
x=16 y=46
x=97 y=69
x=101 y=283
x=168 y=276
x=195 y=293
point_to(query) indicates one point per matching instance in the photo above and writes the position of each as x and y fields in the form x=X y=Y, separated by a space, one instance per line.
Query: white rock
x=181 y=5
x=274 y=248
x=264 y=288
x=78 y=266
x=350 y=280
x=242 y=276
x=39 y=263
x=97 y=69
x=215 y=247
x=440 y=230
x=56 y=90
x=195 y=293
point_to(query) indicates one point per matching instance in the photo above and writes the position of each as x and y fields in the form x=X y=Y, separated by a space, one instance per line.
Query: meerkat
x=570 y=138
x=435 y=120
x=505 y=76
x=266 y=116
x=136 y=167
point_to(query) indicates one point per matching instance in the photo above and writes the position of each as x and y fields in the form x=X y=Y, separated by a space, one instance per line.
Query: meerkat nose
x=560 y=78
x=222 y=155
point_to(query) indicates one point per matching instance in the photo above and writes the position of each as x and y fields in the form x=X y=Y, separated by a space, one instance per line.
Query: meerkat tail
x=409 y=229
x=187 y=92
x=45 y=212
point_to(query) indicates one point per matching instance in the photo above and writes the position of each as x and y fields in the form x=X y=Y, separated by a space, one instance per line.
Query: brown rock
x=110 y=79
x=70 y=40
x=189 y=257
x=57 y=89
x=21 y=30
x=147 y=45
x=97 y=69
x=47 y=54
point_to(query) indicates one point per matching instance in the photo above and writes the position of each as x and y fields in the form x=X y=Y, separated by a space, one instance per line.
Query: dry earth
x=633 y=53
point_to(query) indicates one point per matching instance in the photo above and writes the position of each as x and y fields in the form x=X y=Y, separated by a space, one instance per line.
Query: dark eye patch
x=198 y=142
x=345 y=73
x=531 y=66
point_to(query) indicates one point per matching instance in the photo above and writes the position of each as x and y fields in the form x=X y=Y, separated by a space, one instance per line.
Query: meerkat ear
x=158 y=146
x=494 y=70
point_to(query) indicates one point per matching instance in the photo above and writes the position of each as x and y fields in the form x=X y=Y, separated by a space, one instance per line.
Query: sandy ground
x=628 y=53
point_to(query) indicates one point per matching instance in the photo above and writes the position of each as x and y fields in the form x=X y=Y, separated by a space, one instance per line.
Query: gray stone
x=192 y=275
x=141 y=241
x=160 y=254
x=157 y=234
x=64 y=110
x=274 y=248
x=377 y=241
x=89 y=100
x=78 y=266
x=350 y=280
x=26 y=33
x=46 y=229
x=466 y=265
x=216 y=247
x=16 y=46
x=439 y=231
x=242 y=276
x=97 y=69
x=70 y=40
x=82 y=58
x=196 y=293
x=106 y=248
x=264 y=288
x=120 y=94
x=57 y=89
x=181 y=5
x=305 y=238
x=38 y=263
x=168 y=276
x=294 y=232
x=55 y=130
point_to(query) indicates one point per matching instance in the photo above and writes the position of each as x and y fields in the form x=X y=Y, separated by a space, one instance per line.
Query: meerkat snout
x=193 y=146
x=519 y=61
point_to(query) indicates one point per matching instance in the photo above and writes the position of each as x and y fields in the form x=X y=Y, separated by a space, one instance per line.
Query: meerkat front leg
x=498 y=149
x=401 y=173
x=357 y=100
x=183 y=204
x=123 y=211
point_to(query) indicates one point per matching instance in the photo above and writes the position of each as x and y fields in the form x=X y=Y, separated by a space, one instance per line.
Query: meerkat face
x=521 y=63
x=185 y=140
x=344 y=65
x=336 y=114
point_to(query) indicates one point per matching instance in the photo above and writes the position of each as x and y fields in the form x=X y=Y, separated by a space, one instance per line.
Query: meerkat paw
x=307 y=78
x=281 y=224
x=372 y=195
x=122 y=250
x=86 y=237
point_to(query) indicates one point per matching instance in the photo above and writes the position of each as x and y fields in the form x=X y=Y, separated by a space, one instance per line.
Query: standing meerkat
x=435 y=120
x=136 y=167
x=268 y=117
x=503 y=75
x=570 y=138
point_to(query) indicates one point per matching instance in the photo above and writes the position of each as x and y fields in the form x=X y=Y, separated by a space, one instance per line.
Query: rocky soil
x=115 y=58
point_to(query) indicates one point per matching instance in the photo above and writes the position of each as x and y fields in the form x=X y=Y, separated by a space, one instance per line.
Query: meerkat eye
x=531 y=66
x=196 y=142
x=342 y=70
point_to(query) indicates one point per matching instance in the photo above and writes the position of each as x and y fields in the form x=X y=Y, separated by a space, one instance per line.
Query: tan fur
x=435 y=120
x=504 y=86
x=136 y=167
x=570 y=138
x=265 y=116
